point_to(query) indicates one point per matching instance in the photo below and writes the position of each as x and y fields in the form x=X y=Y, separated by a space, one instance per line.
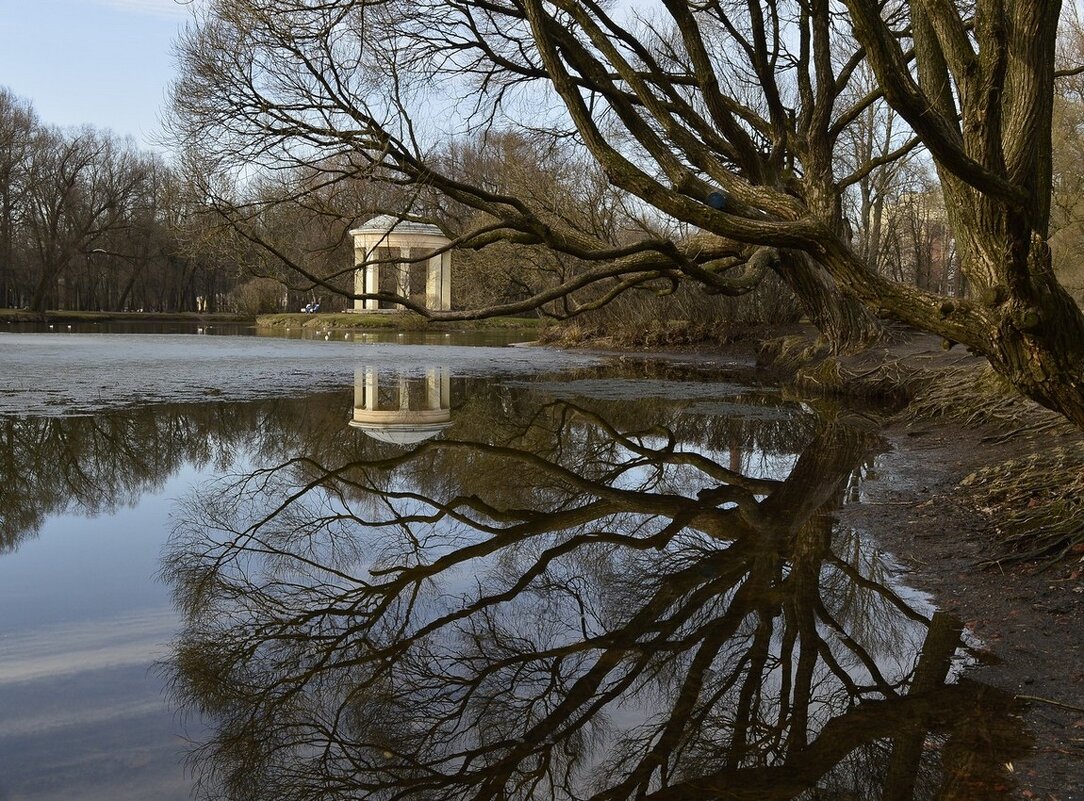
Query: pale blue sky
x=103 y=62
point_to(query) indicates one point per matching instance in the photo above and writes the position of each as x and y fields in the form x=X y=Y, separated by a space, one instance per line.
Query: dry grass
x=651 y=335
x=389 y=321
x=975 y=395
x=832 y=376
x=1035 y=504
x=967 y=392
x=793 y=351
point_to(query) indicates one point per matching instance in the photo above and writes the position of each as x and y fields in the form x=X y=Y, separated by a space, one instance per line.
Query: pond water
x=496 y=337
x=275 y=569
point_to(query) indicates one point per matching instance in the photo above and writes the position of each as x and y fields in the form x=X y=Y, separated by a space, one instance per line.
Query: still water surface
x=496 y=337
x=343 y=570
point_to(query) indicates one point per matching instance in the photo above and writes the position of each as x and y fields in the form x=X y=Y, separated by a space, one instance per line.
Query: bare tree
x=725 y=116
x=1067 y=209
x=982 y=103
x=17 y=124
x=875 y=134
x=330 y=64
x=89 y=221
x=81 y=188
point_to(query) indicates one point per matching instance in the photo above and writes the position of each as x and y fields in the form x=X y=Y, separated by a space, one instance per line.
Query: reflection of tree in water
x=561 y=609
x=93 y=464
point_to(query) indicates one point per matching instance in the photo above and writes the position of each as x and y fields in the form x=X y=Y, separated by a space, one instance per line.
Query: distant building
x=396 y=257
x=918 y=245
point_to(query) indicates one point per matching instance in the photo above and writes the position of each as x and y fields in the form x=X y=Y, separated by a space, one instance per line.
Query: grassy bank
x=397 y=321
x=24 y=316
x=653 y=334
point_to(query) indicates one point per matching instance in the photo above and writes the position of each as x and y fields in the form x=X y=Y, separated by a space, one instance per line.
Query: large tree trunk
x=983 y=106
x=1030 y=329
x=1037 y=337
x=844 y=321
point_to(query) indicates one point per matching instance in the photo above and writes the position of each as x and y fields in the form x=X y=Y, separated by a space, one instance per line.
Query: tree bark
x=1037 y=340
x=844 y=320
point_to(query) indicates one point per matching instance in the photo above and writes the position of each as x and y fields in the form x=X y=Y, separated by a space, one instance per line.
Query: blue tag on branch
x=717 y=200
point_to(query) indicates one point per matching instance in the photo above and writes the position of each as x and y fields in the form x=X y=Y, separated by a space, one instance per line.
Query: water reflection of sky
x=82 y=623
x=83 y=619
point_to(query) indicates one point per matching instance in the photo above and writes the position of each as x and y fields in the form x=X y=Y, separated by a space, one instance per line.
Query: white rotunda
x=422 y=275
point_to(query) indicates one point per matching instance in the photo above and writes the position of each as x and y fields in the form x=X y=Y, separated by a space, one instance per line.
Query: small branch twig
x=1050 y=702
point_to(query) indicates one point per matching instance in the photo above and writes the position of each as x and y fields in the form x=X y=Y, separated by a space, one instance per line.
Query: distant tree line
x=89 y=221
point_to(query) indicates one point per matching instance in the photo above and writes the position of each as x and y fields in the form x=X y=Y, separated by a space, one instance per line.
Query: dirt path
x=1031 y=622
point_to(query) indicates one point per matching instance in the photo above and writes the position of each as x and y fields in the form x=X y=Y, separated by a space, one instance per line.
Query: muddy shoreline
x=1029 y=618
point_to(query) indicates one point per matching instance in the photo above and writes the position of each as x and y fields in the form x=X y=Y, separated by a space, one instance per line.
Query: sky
x=103 y=62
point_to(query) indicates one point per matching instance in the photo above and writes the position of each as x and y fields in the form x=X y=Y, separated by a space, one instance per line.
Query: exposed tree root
x=1035 y=504
x=975 y=395
x=1050 y=702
